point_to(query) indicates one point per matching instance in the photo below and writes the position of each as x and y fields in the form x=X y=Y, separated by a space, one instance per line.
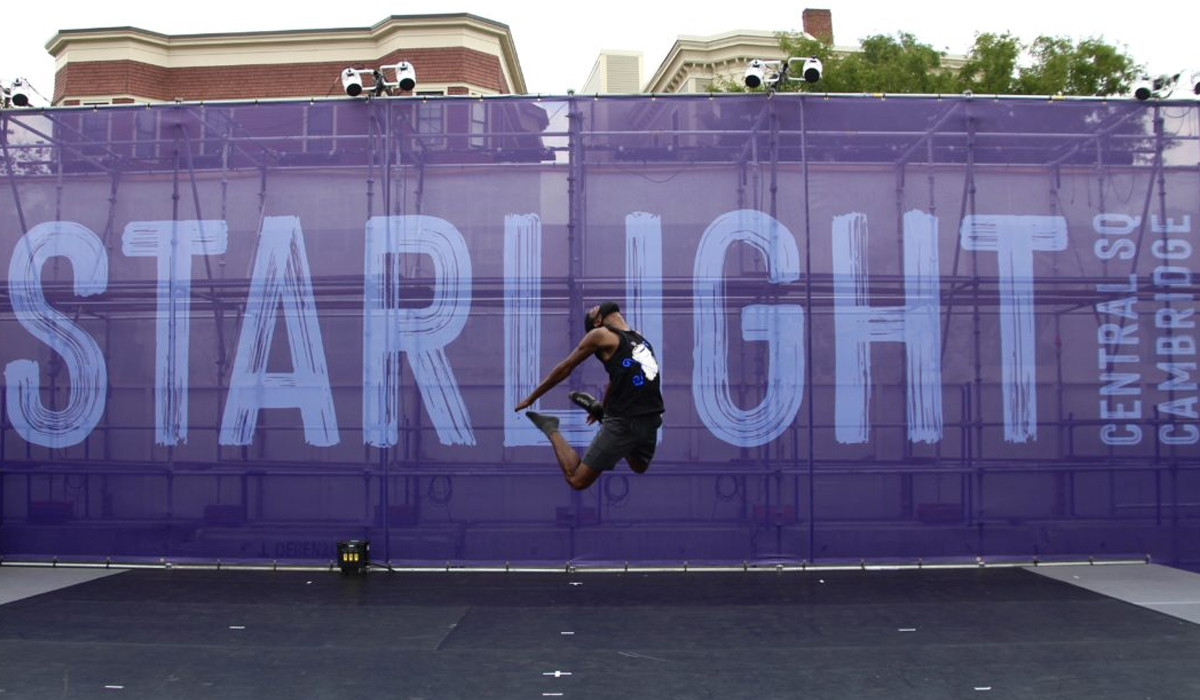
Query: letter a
x=280 y=276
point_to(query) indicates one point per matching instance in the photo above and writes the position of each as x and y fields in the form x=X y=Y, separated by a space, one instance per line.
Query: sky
x=557 y=44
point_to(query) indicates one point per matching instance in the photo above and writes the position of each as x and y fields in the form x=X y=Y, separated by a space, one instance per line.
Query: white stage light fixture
x=755 y=73
x=1160 y=87
x=812 y=70
x=352 y=82
x=19 y=93
x=406 y=76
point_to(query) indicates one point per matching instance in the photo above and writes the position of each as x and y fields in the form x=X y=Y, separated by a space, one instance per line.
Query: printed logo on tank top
x=645 y=358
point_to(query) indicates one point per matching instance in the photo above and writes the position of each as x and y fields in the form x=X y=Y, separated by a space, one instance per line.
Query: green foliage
x=885 y=63
x=991 y=68
x=1056 y=66
x=901 y=63
x=1090 y=67
x=998 y=64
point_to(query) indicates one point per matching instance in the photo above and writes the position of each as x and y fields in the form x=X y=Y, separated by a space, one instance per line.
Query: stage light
x=812 y=69
x=1160 y=87
x=763 y=73
x=354 y=556
x=352 y=82
x=768 y=74
x=19 y=93
x=754 y=74
x=406 y=76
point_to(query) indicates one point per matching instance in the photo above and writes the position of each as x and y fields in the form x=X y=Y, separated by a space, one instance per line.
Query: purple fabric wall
x=887 y=329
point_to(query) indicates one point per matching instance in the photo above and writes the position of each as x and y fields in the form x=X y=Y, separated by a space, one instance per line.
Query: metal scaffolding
x=789 y=500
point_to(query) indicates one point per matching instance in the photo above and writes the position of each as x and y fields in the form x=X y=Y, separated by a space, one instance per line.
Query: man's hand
x=523 y=405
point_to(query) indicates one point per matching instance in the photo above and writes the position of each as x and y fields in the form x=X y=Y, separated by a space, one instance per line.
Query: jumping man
x=631 y=411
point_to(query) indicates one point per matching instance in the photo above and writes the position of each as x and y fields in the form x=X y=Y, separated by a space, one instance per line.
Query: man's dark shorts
x=619 y=438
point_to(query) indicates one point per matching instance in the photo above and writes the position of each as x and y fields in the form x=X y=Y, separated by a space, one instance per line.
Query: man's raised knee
x=583 y=477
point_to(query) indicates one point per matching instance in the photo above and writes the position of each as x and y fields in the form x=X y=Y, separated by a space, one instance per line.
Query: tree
x=884 y=63
x=901 y=63
x=1090 y=67
x=991 y=67
x=1056 y=66
x=998 y=64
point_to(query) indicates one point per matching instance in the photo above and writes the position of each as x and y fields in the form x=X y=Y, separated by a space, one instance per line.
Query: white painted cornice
x=395 y=33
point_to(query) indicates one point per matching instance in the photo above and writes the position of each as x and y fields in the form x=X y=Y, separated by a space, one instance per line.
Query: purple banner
x=886 y=329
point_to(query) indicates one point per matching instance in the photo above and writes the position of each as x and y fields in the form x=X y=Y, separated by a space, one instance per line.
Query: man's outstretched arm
x=586 y=348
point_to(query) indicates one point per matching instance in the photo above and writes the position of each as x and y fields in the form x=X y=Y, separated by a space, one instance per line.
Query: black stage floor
x=961 y=633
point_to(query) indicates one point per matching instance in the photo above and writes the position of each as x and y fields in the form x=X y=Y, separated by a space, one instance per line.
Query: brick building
x=703 y=63
x=697 y=64
x=454 y=54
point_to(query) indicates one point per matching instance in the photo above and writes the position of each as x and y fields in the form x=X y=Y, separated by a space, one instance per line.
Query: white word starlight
x=281 y=279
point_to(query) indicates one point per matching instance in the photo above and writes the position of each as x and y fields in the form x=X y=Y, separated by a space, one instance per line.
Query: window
x=431 y=122
x=94 y=129
x=217 y=124
x=319 y=121
x=145 y=133
x=477 y=126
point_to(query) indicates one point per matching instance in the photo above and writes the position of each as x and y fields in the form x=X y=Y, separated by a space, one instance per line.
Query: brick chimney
x=819 y=24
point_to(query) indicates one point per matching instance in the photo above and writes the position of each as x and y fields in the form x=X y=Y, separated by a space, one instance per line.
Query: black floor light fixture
x=354 y=556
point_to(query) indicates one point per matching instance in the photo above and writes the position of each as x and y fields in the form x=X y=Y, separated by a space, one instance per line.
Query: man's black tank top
x=633 y=378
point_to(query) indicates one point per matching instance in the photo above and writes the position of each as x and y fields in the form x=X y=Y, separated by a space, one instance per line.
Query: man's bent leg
x=585 y=476
x=578 y=475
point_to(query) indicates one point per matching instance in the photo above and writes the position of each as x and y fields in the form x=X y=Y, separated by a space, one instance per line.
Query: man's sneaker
x=588 y=403
x=546 y=424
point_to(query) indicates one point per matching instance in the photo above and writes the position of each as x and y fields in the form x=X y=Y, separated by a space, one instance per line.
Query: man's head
x=594 y=318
